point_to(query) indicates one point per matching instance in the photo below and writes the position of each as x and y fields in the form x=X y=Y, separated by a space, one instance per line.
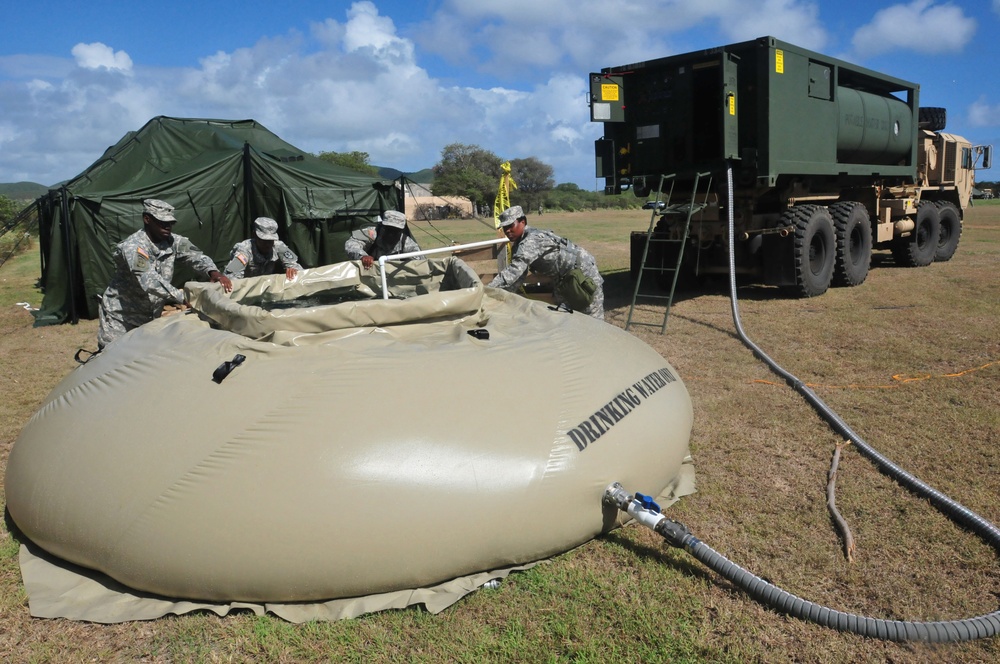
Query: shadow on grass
x=12 y=528
x=619 y=288
x=680 y=561
x=663 y=554
x=667 y=555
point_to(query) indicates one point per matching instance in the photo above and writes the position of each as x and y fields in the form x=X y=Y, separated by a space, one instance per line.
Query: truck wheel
x=932 y=118
x=814 y=248
x=918 y=248
x=951 y=231
x=854 y=243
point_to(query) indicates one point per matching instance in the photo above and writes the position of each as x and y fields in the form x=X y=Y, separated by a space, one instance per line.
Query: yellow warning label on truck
x=609 y=92
x=779 y=61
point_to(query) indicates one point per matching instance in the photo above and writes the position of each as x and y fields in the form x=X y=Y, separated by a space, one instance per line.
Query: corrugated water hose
x=678 y=535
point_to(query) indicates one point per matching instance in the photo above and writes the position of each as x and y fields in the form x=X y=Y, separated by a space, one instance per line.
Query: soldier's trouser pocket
x=577 y=289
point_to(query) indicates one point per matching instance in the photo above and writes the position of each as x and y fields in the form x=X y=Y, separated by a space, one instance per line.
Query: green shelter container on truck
x=829 y=161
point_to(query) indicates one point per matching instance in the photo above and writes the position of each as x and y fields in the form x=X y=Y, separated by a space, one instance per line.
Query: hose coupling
x=675 y=533
x=616 y=496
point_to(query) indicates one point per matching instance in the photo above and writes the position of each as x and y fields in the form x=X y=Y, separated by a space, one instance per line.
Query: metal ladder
x=691 y=208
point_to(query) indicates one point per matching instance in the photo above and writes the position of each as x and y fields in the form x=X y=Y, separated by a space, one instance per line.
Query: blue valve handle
x=647 y=502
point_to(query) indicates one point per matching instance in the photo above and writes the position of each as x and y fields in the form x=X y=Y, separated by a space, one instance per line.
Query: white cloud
x=8 y=132
x=790 y=20
x=366 y=29
x=982 y=114
x=920 y=26
x=38 y=86
x=99 y=56
x=361 y=81
x=581 y=35
x=349 y=85
x=24 y=67
x=361 y=90
x=355 y=82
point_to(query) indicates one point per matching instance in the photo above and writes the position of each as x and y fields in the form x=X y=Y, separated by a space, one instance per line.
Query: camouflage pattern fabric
x=246 y=260
x=141 y=284
x=362 y=242
x=546 y=253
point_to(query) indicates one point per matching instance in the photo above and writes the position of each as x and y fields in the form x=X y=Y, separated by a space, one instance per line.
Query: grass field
x=911 y=361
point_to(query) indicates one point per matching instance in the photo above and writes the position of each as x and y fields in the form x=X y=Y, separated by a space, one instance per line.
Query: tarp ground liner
x=220 y=175
x=352 y=462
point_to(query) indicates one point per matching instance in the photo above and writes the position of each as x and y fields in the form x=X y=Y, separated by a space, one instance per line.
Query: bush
x=16 y=238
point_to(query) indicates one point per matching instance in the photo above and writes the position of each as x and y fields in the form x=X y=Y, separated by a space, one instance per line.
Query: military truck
x=828 y=161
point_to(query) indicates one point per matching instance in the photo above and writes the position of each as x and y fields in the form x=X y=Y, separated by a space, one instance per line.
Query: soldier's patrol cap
x=265 y=228
x=394 y=218
x=510 y=215
x=158 y=209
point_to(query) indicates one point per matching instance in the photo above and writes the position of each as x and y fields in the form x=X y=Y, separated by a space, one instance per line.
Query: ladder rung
x=682 y=208
x=650 y=236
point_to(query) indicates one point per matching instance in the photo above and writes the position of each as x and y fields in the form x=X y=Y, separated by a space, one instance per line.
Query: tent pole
x=42 y=240
x=67 y=236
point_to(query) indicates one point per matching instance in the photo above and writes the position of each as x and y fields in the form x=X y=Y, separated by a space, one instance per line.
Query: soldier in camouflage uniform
x=546 y=253
x=390 y=236
x=144 y=266
x=262 y=253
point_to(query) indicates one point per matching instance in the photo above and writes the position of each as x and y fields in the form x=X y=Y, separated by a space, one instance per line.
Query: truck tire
x=951 y=231
x=932 y=118
x=854 y=243
x=918 y=248
x=814 y=249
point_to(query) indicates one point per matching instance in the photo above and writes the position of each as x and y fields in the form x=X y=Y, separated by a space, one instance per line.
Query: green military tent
x=220 y=175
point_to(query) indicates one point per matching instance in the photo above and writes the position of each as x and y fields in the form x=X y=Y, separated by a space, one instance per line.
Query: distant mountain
x=22 y=191
x=425 y=176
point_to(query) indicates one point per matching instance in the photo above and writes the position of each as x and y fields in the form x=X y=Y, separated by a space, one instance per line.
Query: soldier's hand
x=171 y=309
x=217 y=277
x=367 y=261
x=291 y=273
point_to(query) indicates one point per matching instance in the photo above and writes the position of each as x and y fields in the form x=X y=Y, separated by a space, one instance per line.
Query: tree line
x=993 y=187
x=472 y=172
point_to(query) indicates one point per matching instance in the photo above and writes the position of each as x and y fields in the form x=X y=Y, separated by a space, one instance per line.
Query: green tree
x=356 y=161
x=569 y=197
x=14 y=239
x=534 y=179
x=469 y=171
x=8 y=210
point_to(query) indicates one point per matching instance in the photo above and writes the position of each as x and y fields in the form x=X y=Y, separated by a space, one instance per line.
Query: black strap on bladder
x=91 y=354
x=227 y=367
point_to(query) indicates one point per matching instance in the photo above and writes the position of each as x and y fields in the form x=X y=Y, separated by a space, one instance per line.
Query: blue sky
x=402 y=79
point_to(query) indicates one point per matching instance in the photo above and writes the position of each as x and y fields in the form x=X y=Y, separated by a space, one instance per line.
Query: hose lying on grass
x=678 y=535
